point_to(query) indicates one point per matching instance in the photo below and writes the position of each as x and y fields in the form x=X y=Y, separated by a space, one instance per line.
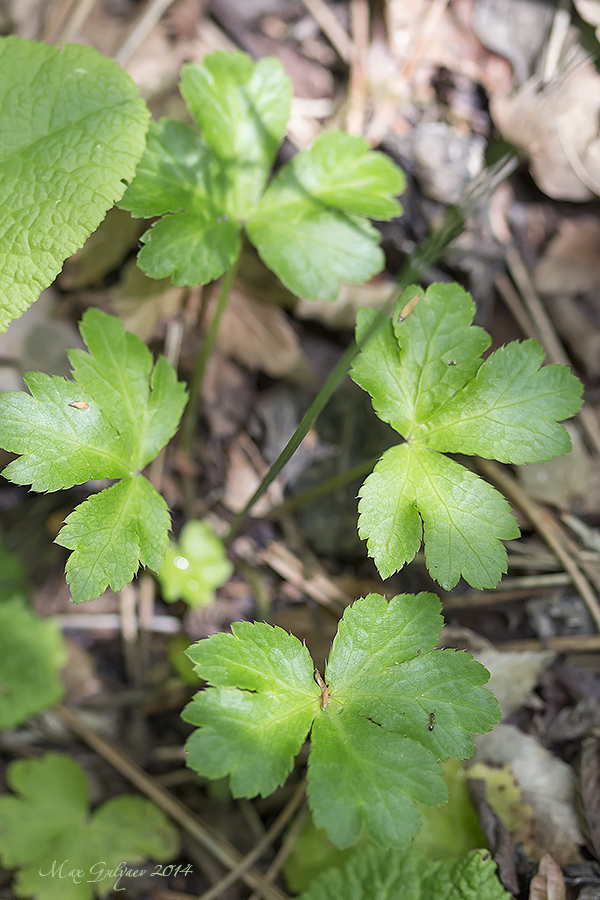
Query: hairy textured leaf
x=31 y=656
x=424 y=372
x=111 y=533
x=195 y=566
x=109 y=422
x=374 y=748
x=72 y=128
x=46 y=824
x=388 y=875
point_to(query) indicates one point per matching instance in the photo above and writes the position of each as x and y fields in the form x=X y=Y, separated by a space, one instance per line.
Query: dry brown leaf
x=571 y=261
x=227 y=395
x=547 y=785
x=557 y=126
x=590 y=789
x=549 y=883
x=244 y=474
x=261 y=336
x=142 y=302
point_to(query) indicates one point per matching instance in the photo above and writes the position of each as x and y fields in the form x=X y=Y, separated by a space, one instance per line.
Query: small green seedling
x=195 y=566
x=62 y=851
x=373 y=754
x=310 y=224
x=32 y=653
x=110 y=421
x=67 y=148
x=424 y=372
x=385 y=874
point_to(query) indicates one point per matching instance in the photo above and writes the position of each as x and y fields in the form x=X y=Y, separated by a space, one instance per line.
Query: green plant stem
x=452 y=224
x=190 y=420
x=323 y=488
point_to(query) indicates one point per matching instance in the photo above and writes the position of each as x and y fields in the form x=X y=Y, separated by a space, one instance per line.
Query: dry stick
x=257 y=851
x=548 y=528
x=330 y=25
x=429 y=24
x=568 y=643
x=286 y=848
x=547 y=335
x=77 y=19
x=153 y=11
x=556 y=41
x=215 y=844
x=357 y=88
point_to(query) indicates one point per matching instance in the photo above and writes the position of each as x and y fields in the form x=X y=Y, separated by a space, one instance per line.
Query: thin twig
x=203 y=834
x=152 y=13
x=567 y=643
x=77 y=19
x=217 y=890
x=357 y=87
x=548 y=528
x=331 y=28
x=286 y=848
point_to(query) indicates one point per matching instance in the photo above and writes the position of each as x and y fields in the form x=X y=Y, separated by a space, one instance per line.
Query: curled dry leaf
x=549 y=883
x=556 y=124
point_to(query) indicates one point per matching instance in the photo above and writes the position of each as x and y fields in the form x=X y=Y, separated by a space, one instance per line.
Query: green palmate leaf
x=242 y=108
x=393 y=707
x=46 y=832
x=111 y=534
x=109 y=422
x=424 y=372
x=195 y=566
x=388 y=875
x=309 y=226
x=315 y=205
x=65 y=149
x=31 y=656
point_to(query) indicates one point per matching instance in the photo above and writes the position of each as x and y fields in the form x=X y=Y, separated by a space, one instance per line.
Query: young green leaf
x=387 y=875
x=309 y=225
x=31 y=656
x=109 y=422
x=195 y=566
x=393 y=706
x=65 y=149
x=46 y=831
x=316 y=205
x=424 y=372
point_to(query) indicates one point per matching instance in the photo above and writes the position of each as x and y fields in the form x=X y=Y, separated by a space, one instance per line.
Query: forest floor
x=446 y=88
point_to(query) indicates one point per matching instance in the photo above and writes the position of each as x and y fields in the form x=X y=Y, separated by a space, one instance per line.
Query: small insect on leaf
x=408 y=308
x=431 y=720
x=79 y=404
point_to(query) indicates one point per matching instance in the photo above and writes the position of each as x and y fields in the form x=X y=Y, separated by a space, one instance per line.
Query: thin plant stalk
x=190 y=420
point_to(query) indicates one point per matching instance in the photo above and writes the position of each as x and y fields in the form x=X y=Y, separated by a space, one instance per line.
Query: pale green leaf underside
x=242 y=109
x=388 y=875
x=72 y=128
x=47 y=820
x=111 y=533
x=254 y=720
x=464 y=519
x=31 y=656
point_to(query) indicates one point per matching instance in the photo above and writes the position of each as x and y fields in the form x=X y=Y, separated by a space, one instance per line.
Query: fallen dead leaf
x=547 y=785
x=261 y=336
x=590 y=789
x=245 y=471
x=513 y=675
x=556 y=124
x=549 y=883
x=570 y=263
x=142 y=302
